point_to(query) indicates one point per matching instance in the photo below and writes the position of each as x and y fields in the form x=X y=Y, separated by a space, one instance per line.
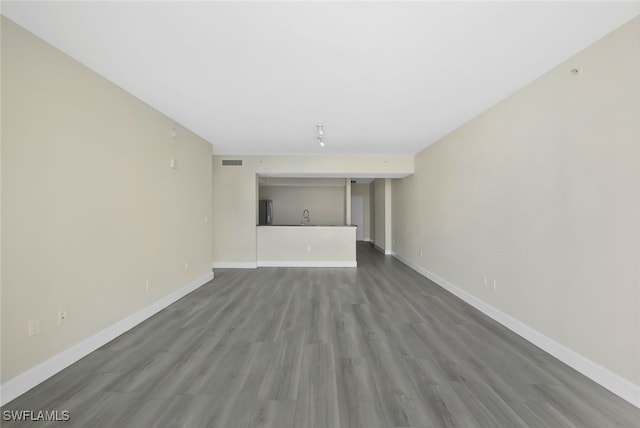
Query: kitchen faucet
x=305 y=216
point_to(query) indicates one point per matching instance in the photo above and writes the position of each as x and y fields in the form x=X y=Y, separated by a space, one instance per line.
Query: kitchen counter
x=306 y=225
x=311 y=245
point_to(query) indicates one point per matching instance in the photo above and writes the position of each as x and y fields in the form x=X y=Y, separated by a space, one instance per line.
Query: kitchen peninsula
x=302 y=223
x=306 y=246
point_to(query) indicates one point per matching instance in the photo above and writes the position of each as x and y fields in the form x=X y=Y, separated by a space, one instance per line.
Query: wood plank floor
x=376 y=346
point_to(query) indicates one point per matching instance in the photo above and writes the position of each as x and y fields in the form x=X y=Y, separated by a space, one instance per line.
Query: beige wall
x=361 y=189
x=91 y=209
x=347 y=201
x=2 y=400
x=379 y=203
x=235 y=214
x=372 y=210
x=235 y=198
x=352 y=166
x=388 y=218
x=326 y=205
x=542 y=193
x=383 y=214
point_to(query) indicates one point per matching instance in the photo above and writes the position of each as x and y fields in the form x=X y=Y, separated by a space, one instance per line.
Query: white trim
x=615 y=383
x=345 y=173
x=314 y=184
x=234 y=265
x=383 y=251
x=307 y=264
x=34 y=376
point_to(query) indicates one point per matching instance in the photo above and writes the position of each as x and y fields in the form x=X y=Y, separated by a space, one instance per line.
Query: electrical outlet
x=420 y=253
x=186 y=265
x=484 y=280
x=308 y=248
x=495 y=285
x=33 y=327
x=148 y=285
x=62 y=316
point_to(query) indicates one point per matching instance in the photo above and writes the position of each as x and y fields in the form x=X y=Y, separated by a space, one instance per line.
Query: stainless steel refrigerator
x=266 y=212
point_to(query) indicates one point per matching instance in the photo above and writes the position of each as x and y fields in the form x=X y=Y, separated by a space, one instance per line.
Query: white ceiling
x=383 y=77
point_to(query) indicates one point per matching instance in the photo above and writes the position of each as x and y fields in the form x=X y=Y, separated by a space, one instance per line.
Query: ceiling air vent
x=232 y=162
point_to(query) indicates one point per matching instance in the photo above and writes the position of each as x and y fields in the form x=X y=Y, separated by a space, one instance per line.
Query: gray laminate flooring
x=376 y=346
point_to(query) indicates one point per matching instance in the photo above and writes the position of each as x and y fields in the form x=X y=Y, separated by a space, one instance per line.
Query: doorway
x=357 y=215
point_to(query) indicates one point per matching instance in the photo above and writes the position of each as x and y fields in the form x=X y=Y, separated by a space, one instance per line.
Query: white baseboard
x=34 y=376
x=307 y=264
x=234 y=265
x=383 y=251
x=615 y=383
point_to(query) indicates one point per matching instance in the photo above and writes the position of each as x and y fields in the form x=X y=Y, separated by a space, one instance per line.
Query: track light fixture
x=320 y=134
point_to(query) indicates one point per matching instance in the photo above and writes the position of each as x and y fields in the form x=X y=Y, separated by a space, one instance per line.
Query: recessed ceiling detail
x=254 y=77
